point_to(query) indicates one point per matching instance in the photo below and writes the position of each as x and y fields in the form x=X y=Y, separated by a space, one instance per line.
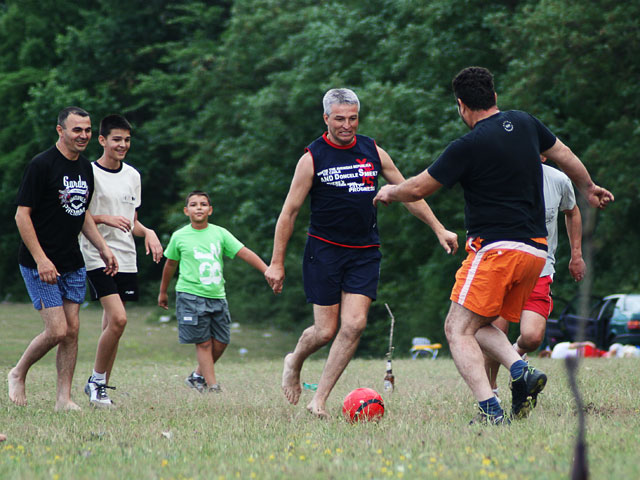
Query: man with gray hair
x=342 y=96
x=341 y=264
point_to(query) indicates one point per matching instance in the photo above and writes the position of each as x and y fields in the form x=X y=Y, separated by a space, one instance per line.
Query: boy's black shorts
x=124 y=284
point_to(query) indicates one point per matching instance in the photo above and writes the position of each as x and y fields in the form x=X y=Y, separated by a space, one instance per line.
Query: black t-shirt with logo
x=498 y=166
x=58 y=190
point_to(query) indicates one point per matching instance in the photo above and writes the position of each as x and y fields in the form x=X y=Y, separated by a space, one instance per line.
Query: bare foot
x=16 y=389
x=291 y=381
x=317 y=411
x=3 y=437
x=68 y=406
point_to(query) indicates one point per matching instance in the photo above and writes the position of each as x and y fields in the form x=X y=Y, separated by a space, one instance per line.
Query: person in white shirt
x=558 y=196
x=114 y=208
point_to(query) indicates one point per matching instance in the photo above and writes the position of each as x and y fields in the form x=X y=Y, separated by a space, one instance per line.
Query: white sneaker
x=97 y=393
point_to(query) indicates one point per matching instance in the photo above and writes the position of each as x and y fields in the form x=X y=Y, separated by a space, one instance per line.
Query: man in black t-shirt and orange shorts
x=52 y=201
x=498 y=166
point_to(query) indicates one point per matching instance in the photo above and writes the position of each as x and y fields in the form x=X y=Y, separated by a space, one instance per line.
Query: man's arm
x=90 y=230
x=168 y=271
x=573 y=222
x=298 y=191
x=46 y=269
x=252 y=259
x=151 y=242
x=570 y=164
x=412 y=196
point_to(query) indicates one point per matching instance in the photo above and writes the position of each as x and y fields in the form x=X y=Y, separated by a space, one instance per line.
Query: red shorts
x=540 y=300
x=497 y=279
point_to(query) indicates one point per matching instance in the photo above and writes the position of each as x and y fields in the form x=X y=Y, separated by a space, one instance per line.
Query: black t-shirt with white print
x=58 y=190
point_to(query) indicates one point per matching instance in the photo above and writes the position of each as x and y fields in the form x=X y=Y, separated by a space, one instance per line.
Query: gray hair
x=339 y=96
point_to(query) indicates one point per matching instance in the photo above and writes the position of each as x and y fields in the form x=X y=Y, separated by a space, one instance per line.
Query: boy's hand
x=110 y=262
x=117 y=221
x=163 y=301
x=274 y=274
x=153 y=245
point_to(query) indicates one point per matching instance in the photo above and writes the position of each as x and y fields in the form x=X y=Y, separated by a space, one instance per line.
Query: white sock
x=99 y=377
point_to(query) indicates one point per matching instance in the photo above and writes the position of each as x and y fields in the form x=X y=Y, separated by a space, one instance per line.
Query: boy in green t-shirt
x=201 y=307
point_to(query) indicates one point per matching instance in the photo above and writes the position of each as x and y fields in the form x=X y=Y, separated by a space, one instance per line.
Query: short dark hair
x=113 y=122
x=65 y=112
x=199 y=193
x=474 y=86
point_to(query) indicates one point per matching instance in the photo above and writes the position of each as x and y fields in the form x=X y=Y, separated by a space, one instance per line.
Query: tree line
x=224 y=96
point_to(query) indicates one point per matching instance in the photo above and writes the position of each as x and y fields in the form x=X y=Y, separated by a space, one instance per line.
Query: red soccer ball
x=363 y=404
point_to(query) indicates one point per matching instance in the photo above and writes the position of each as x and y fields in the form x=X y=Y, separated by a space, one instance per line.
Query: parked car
x=612 y=319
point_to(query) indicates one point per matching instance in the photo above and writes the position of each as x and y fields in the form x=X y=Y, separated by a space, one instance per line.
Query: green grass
x=162 y=430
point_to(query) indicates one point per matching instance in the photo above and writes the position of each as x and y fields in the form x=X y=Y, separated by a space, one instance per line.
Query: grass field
x=162 y=430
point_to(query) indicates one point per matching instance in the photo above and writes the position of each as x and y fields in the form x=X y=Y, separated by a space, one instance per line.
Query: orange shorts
x=497 y=279
x=540 y=300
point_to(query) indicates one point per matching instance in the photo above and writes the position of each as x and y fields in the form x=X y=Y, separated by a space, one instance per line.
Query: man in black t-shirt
x=52 y=200
x=498 y=166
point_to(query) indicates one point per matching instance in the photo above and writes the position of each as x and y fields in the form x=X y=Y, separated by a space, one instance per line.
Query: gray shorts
x=200 y=318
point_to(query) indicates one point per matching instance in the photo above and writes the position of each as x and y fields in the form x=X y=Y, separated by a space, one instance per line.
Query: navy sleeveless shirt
x=344 y=184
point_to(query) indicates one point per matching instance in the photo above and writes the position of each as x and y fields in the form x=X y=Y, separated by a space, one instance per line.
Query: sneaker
x=483 y=419
x=97 y=393
x=195 y=381
x=525 y=390
x=215 y=388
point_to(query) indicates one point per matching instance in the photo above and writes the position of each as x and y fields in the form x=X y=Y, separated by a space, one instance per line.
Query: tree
x=573 y=64
x=27 y=31
x=224 y=96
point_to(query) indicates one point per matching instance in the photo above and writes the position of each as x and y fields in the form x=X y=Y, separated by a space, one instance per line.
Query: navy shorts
x=69 y=285
x=328 y=270
x=201 y=319
x=124 y=284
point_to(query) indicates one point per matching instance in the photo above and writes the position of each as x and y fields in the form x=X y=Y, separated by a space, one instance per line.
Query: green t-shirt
x=200 y=255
